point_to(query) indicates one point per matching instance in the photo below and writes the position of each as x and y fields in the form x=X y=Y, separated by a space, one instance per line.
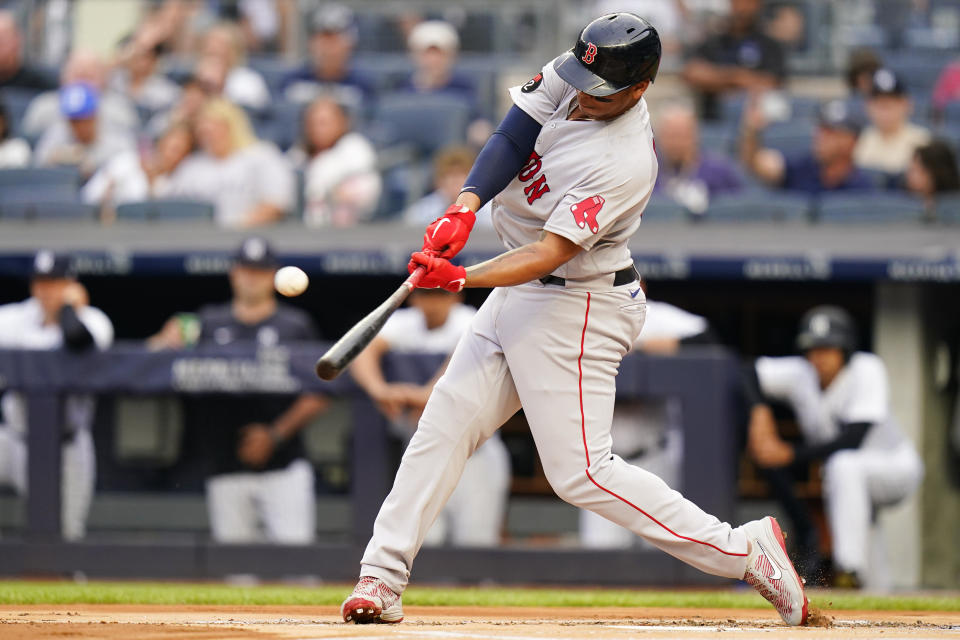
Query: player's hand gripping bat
x=359 y=336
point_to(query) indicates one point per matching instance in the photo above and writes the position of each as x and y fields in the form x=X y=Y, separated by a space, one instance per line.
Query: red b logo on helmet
x=590 y=54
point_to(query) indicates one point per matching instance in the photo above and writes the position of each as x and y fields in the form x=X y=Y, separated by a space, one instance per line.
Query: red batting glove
x=441 y=273
x=446 y=235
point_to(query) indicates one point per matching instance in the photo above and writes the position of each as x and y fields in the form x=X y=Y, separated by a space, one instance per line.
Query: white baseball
x=291 y=281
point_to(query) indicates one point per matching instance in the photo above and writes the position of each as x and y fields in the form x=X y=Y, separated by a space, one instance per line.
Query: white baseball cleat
x=770 y=571
x=372 y=601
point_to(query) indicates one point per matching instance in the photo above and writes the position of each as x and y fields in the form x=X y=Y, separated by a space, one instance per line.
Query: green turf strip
x=35 y=592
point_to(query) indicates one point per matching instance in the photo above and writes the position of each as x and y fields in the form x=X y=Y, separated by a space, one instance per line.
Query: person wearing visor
x=56 y=317
x=569 y=170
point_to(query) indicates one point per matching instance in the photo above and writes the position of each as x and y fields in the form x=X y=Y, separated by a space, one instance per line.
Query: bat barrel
x=344 y=350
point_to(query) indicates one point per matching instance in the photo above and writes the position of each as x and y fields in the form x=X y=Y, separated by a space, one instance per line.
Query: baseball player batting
x=570 y=169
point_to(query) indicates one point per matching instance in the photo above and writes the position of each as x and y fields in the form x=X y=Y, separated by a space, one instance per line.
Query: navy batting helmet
x=612 y=53
x=827 y=326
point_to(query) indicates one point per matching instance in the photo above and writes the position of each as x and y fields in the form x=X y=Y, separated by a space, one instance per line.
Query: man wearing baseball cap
x=56 y=316
x=888 y=144
x=828 y=166
x=333 y=35
x=434 y=45
x=84 y=139
x=260 y=486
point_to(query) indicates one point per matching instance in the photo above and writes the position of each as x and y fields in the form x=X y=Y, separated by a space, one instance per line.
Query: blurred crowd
x=199 y=104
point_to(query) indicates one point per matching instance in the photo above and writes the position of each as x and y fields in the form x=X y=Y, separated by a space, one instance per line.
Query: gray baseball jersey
x=587 y=181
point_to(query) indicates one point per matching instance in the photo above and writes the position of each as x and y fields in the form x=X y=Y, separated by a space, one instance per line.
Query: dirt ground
x=144 y=622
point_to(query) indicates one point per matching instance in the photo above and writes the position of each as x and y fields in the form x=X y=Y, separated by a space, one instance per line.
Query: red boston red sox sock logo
x=585 y=212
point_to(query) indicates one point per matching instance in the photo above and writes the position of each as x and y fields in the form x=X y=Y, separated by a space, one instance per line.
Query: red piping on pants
x=583 y=430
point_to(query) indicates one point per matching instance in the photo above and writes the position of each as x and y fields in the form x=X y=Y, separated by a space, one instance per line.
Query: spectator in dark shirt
x=14 y=72
x=333 y=35
x=688 y=175
x=741 y=57
x=261 y=487
x=434 y=45
x=828 y=166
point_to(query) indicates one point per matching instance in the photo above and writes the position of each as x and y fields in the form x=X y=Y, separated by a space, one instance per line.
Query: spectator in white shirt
x=342 y=185
x=888 y=144
x=14 y=152
x=130 y=177
x=243 y=86
x=86 y=139
x=249 y=182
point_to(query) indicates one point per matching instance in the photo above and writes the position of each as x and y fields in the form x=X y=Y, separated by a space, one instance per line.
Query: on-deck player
x=572 y=167
x=840 y=397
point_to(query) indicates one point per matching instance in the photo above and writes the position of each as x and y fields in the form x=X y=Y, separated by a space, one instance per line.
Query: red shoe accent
x=361 y=611
x=783 y=545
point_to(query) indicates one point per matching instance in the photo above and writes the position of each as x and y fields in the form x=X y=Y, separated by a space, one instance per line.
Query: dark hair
x=861 y=61
x=308 y=147
x=937 y=157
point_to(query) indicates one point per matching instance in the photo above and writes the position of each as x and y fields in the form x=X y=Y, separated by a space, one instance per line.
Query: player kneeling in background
x=570 y=170
x=57 y=315
x=840 y=397
x=434 y=323
x=261 y=486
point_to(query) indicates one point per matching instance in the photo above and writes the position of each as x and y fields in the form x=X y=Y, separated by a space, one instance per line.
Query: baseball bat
x=359 y=336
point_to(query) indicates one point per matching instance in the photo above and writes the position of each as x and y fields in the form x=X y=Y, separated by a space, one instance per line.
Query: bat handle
x=414 y=278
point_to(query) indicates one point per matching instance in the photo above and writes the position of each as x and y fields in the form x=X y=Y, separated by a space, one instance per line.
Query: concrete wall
x=899 y=336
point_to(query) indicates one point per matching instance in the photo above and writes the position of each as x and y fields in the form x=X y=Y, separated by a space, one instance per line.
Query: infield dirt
x=155 y=622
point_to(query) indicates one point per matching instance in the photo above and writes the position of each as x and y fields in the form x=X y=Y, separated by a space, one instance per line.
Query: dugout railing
x=702 y=381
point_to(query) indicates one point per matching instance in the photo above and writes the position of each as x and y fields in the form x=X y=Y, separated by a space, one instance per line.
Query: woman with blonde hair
x=248 y=181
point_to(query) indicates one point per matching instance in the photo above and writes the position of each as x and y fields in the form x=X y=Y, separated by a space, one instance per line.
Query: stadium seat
x=862 y=35
x=40 y=178
x=385 y=71
x=789 y=138
x=936 y=38
x=948 y=209
x=428 y=122
x=282 y=124
x=918 y=69
x=951 y=114
x=718 y=138
x=758 y=206
x=26 y=193
x=273 y=70
x=663 y=209
x=482 y=69
x=165 y=210
x=17 y=100
x=33 y=210
x=801 y=107
x=869 y=207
